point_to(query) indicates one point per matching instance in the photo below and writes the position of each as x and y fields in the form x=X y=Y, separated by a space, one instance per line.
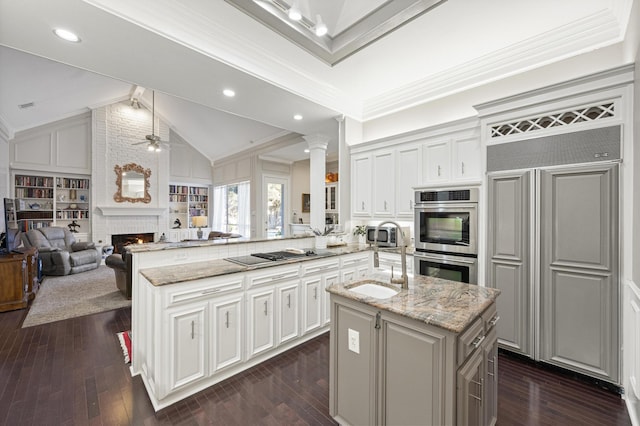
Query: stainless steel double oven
x=446 y=229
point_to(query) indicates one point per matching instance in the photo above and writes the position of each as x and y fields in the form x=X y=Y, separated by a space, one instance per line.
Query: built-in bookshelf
x=53 y=200
x=187 y=201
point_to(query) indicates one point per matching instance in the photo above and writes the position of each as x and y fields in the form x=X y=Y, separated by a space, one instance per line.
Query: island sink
x=374 y=289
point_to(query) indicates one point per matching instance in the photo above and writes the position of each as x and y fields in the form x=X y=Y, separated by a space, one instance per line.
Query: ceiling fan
x=153 y=141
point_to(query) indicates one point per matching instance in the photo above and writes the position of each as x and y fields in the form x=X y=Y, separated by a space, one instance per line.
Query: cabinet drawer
x=470 y=340
x=354 y=260
x=490 y=317
x=203 y=289
x=309 y=268
x=272 y=275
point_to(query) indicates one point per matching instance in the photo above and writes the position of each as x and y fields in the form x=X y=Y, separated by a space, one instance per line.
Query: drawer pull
x=211 y=290
x=277 y=277
x=193 y=331
x=494 y=320
x=478 y=341
x=288 y=300
x=315 y=292
x=265 y=308
x=227 y=319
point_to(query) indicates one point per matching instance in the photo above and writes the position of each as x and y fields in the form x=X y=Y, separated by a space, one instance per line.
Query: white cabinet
x=188 y=337
x=452 y=161
x=355 y=266
x=331 y=197
x=325 y=272
x=437 y=161
x=311 y=303
x=261 y=321
x=383 y=183
x=361 y=185
x=288 y=312
x=466 y=157
x=408 y=175
x=226 y=347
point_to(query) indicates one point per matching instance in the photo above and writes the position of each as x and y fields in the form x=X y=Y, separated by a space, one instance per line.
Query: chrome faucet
x=404 y=279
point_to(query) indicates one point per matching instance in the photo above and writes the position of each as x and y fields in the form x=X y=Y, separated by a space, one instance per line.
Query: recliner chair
x=59 y=251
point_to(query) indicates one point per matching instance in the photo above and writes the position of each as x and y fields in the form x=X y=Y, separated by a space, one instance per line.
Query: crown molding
x=599 y=29
x=6 y=132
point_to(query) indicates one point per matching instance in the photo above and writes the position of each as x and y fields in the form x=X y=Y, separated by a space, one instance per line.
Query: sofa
x=59 y=251
x=121 y=265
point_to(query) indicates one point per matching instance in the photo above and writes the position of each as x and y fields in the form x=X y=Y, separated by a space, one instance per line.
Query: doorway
x=275 y=204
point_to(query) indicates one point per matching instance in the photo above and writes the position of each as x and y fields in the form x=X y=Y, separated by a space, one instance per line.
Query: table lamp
x=199 y=222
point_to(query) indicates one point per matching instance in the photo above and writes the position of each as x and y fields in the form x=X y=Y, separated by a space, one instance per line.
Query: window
x=231 y=208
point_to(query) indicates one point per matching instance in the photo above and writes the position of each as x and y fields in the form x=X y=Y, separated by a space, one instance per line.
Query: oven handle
x=446 y=259
x=449 y=206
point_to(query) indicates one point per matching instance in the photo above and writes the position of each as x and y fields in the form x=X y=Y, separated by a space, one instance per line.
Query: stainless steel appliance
x=447 y=221
x=449 y=267
x=387 y=236
x=446 y=227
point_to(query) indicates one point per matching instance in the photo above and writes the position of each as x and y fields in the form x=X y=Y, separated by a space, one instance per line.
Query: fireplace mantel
x=131 y=211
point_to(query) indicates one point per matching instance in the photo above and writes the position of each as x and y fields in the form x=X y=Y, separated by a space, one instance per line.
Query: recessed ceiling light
x=297 y=117
x=306 y=150
x=229 y=93
x=66 y=35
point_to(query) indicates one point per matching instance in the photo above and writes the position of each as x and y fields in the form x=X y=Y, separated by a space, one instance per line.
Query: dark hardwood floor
x=72 y=373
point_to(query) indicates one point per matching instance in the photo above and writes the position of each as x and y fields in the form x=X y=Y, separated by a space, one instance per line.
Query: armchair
x=59 y=251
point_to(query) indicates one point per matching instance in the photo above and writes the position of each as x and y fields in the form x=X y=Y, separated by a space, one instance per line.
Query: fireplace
x=121 y=240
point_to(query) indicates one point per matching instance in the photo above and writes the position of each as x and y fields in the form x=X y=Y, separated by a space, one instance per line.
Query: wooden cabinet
x=19 y=283
x=361 y=185
x=452 y=161
x=388 y=369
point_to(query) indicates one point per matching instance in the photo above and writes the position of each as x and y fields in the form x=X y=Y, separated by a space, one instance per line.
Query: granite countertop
x=173 y=274
x=446 y=304
x=157 y=246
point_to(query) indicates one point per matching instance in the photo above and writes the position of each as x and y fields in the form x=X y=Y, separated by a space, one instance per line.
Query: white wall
x=460 y=105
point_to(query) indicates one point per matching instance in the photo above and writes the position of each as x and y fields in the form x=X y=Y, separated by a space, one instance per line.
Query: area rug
x=125 y=343
x=75 y=295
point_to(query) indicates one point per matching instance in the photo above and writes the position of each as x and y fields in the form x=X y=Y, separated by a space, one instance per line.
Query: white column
x=317 y=158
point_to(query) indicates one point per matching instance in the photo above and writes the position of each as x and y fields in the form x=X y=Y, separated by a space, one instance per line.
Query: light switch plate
x=354 y=341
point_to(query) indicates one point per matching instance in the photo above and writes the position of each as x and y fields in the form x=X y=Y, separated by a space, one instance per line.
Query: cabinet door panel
x=466 y=154
x=437 y=159
x=312 y=313
x=187 y=358
x=328 y=279
x=261 y=322
x=579 y=296
x=355 y=366
x=411 y=357
x=508 y=257
x=408 y=175
x=384 y=183
x=227 y=341
x=288 y=313
x=470 y=393
x=361 y=184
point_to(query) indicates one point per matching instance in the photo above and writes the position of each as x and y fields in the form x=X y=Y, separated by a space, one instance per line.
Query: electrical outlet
x=354 y=341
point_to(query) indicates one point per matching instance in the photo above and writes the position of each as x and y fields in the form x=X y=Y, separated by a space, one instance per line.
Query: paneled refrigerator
x=553 y=250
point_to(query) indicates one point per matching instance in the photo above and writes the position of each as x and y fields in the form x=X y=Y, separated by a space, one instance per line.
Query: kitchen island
x=426 y=355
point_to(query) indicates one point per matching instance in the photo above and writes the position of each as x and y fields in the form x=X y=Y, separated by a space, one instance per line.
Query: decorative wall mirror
x=132 y=181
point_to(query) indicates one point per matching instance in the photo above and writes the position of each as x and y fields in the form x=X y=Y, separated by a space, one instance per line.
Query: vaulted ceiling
x=190 y=50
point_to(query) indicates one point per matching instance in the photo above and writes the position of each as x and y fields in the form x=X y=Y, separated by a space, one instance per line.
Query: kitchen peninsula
x=198 y=319
x=425 y=355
